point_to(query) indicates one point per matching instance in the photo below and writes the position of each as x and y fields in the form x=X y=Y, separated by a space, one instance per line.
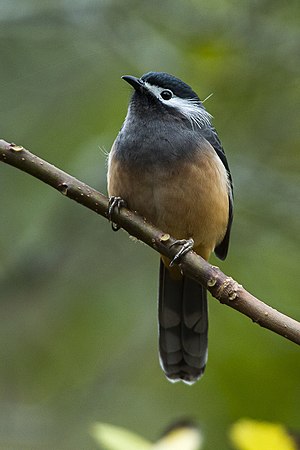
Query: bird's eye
x=166 y=95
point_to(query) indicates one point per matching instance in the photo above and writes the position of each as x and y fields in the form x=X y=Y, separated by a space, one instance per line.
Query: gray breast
x=143 y=142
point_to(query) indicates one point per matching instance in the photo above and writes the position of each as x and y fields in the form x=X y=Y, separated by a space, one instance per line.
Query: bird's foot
x=186 y=246
x=115 y=203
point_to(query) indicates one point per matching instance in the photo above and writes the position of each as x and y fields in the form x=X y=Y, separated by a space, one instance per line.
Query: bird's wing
x=211 y=136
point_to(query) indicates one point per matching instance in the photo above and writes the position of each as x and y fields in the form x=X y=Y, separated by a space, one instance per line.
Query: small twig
x=222 y=287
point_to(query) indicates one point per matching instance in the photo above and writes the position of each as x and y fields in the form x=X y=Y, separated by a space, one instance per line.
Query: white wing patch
x=189 y=107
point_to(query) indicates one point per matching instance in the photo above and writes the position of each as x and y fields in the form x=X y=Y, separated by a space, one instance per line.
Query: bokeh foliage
x=78 y=332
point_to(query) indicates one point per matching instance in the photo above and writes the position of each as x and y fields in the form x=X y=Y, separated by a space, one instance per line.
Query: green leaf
x=111 y=437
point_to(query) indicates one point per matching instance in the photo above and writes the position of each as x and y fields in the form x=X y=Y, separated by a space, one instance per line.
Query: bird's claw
x=186 y=246
x=114 y=203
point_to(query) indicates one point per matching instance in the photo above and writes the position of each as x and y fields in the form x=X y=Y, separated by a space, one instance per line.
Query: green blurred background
x=78 y=330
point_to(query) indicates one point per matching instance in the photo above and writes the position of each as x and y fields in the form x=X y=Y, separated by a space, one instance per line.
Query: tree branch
x=222 y=287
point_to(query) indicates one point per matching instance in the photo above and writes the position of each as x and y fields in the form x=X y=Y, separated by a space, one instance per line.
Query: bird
x=168 y=164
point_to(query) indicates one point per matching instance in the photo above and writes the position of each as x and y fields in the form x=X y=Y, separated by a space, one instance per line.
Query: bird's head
x=159 y=93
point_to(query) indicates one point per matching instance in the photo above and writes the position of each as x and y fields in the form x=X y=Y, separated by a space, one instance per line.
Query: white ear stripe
x=189 y=107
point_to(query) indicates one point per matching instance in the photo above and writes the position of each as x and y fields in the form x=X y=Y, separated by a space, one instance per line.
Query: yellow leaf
x=253 y=435
x=181 y=438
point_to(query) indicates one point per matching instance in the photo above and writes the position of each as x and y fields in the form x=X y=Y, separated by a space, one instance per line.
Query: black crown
x=167 y=81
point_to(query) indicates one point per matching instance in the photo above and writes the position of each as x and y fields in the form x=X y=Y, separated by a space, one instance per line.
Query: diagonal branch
x=222 y=287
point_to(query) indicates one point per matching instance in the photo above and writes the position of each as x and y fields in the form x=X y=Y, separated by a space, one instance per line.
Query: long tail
x=183 y=327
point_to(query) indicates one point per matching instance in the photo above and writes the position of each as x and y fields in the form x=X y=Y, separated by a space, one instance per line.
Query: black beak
x=136 y=83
